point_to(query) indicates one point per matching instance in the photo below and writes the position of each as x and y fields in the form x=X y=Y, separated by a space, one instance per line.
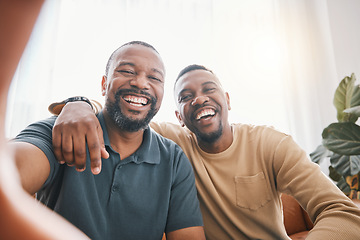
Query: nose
x=199 y=100
x=140 y=81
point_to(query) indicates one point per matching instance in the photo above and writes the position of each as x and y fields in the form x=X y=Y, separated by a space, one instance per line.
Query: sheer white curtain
x=279 y=59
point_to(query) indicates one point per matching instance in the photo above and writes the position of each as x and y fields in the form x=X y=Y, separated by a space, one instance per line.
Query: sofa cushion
x=299 y=235
x=295 y=218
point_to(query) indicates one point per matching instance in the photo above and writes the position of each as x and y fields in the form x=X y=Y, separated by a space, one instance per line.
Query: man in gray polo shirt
x=146 y=186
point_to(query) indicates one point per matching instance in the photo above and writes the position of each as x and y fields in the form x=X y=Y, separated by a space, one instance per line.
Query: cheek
x=159 y=92
x=185 y=112
x=109 y=88
x=110 y=92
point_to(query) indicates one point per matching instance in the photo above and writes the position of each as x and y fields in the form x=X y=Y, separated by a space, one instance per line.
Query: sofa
x=297 y=222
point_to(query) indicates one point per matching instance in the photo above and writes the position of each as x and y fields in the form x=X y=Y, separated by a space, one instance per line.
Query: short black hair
x=126 y=44
x=190 y=68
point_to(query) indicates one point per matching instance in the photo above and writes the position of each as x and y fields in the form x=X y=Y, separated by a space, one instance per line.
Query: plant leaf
x=333 y=174
x=355 y=99
x=343 y=186
x=346 y=165
x=354 y=111
x=342 y=138
x=343 y=96
x=319 y=154
x=355 y=102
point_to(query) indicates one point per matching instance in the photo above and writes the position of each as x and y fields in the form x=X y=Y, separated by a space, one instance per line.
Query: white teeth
x=206 y=112
x=136 y=100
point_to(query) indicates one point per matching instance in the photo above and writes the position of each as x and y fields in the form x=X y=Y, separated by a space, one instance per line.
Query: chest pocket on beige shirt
x=252 y=192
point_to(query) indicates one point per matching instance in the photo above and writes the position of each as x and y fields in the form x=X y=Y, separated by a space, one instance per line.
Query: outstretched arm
x=32 y=165
x=21 y=217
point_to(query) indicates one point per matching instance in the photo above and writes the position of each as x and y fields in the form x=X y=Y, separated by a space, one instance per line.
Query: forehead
x=139 y=56
x=194 y=80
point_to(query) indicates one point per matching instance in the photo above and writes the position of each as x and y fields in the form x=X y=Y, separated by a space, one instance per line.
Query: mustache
x=120 y=92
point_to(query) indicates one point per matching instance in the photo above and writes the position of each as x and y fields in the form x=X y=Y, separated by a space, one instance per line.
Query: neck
x=221 y=144
x=123 y=142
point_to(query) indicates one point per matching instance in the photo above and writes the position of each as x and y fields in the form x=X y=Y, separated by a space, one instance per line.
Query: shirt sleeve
x=184 y=210
x=333 y=213
x=172 y=131
x=40 y=135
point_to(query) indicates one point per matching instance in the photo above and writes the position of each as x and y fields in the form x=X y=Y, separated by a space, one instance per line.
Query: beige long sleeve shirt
x=239 y=189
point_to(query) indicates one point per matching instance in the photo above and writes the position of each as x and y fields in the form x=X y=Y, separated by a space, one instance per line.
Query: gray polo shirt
x=139 y=197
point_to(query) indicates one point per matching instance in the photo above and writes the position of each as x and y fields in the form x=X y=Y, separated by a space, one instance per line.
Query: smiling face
x=202 y=105
x=133 y=87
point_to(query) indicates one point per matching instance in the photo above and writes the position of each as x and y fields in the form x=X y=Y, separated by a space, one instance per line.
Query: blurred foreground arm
x=21 y=217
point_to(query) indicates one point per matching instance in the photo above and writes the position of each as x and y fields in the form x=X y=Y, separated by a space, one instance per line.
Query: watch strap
x=56 y=107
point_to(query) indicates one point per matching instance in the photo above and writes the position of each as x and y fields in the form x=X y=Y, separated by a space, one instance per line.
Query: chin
x=209 y=137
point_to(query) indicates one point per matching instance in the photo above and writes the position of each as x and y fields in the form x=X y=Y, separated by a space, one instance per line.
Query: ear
x=103 y=85
x=179 y=118
x=228 y=100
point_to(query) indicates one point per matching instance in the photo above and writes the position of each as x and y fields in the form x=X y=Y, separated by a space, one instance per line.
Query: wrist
x=76 y=105
x=56 y=108
x=78 y=99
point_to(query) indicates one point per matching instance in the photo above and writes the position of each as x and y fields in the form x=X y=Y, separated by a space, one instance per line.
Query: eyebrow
x=203 y=84
x=126 y=64
x=133 y=65
x=208 y=82
x=158 y=71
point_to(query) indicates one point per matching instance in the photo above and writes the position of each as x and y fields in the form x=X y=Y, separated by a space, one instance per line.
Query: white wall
x=238 y=39
x=344 y=18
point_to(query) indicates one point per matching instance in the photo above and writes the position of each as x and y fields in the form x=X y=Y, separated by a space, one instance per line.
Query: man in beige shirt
x=240 y=170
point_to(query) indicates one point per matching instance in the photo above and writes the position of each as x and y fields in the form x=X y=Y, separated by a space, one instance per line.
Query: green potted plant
x=341 y=140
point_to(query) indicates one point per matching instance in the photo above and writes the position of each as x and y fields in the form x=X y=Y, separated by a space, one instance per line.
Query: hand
x=75 y=127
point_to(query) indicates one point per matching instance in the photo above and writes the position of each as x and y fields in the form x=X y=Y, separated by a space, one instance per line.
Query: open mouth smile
x=205 y=113
x=136 y=100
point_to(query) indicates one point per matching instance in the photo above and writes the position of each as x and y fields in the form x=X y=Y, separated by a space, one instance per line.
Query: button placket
x=116 y=181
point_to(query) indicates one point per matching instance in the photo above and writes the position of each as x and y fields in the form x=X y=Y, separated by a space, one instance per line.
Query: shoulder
x=167 y=128
x=258 y=131
x=172 y=131
x=40 y=128
x=47 y=122
x=162 y=142
x=266 y=138
x=167 y=150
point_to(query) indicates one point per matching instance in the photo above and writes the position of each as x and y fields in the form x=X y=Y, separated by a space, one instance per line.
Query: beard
x=209 y=137
x=127 y=123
